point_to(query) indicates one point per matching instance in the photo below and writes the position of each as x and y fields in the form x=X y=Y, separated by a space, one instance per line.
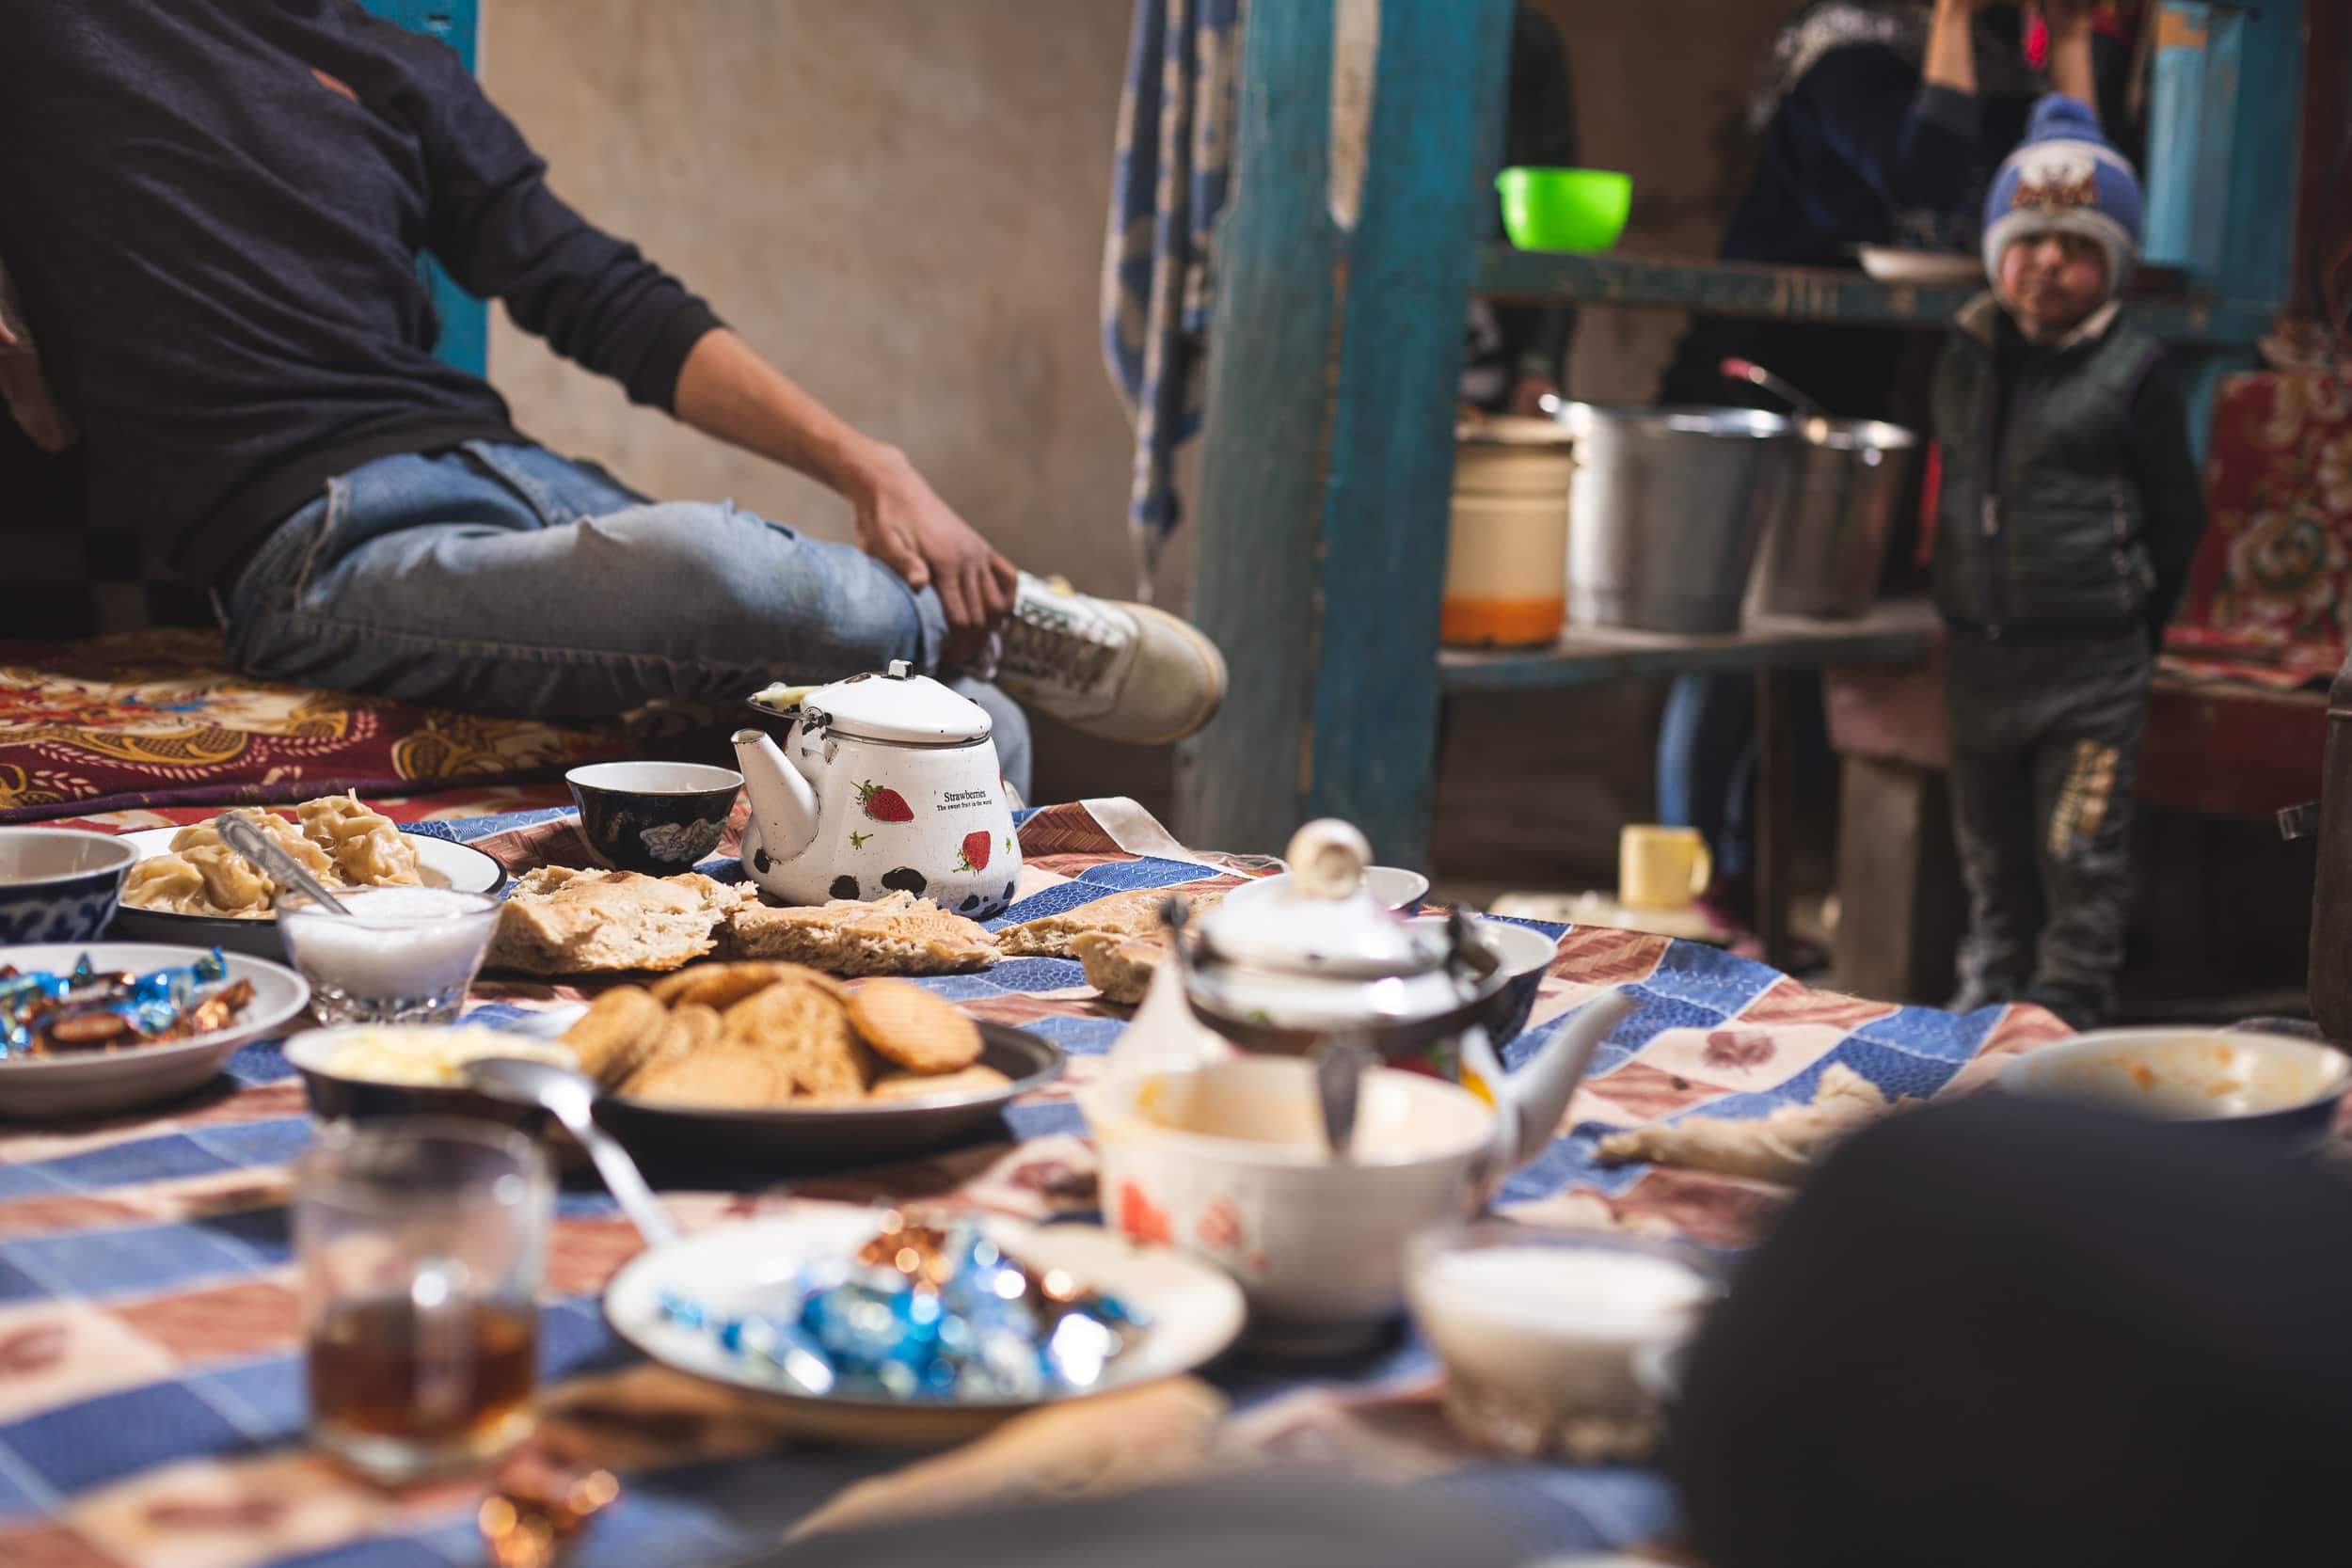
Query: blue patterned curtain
x=1169 y=187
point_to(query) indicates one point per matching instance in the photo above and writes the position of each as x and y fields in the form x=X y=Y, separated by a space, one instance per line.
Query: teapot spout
x=783 y=803
x=1540 y=1091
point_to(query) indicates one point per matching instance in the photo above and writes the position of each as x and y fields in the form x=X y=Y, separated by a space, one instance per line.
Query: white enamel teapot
x=886 y=783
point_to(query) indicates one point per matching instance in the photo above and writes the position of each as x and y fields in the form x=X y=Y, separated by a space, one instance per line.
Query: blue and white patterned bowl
x=59 y=885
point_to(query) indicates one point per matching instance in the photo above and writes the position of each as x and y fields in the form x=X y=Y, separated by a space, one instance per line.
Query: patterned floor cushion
x=154 y=718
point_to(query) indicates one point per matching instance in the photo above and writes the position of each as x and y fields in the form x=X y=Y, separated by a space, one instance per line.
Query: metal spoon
x=571 y=1098
x=281 y=868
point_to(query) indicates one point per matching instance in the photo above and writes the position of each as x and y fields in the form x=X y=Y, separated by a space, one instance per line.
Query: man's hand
x=726 y=390
x=902 y=523
x=2067 y=16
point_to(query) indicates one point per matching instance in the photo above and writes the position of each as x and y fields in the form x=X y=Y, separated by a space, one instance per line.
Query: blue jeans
x=505 y=579
x=1708 y=756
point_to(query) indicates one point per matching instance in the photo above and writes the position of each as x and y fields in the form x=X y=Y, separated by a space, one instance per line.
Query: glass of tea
x=421 y=1242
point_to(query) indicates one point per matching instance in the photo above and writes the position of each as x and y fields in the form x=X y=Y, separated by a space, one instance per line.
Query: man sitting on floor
x=213 y=208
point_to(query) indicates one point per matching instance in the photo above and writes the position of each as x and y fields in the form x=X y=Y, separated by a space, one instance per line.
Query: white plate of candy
x=870 y=1326
x=91 y=1028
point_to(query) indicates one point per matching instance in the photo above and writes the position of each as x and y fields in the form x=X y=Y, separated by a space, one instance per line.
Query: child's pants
x=2044 y=742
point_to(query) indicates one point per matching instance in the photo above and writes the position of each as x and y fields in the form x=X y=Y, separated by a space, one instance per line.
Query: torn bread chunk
x=1779 y=1147
x=1119 y=967
x=558 y=921
x=898 y=935
x=1122 y=915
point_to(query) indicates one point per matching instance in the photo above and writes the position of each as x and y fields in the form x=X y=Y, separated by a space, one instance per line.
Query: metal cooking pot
x=1667 y=506
x=1826 y=542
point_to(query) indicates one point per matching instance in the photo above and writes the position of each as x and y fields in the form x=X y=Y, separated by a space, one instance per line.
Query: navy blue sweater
x=213 y=208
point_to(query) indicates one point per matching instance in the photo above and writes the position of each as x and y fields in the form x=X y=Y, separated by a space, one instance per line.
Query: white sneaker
x=1124 y=672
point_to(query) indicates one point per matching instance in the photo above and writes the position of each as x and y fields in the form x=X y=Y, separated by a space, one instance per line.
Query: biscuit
x=723 y=985
x=911 y=1028
x=722 y=1078
x=972 y=1081
x=688 y=1029
x=807 y=1031
x=617 y=1033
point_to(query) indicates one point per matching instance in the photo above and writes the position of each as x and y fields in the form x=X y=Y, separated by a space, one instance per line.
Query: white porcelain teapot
x=886 y=783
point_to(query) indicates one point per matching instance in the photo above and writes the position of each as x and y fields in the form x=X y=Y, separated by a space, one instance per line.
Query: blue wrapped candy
x=926 y=1315
x=34 y=1005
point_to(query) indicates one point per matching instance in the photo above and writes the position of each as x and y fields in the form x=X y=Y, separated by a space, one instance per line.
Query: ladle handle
x=622 y=1178
x=282 y=868
x=1736 y=369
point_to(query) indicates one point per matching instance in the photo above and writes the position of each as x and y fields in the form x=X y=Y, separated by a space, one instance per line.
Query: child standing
x=2069 y=510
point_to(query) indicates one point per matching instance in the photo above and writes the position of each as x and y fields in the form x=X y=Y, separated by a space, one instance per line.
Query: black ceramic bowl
x=334 y=1097
x=658 y=817
x=59 y=885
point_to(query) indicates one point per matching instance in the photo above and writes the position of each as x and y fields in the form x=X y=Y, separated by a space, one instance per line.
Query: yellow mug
x=1661 y=868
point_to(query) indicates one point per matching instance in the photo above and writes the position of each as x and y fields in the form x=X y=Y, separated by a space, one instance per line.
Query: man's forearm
x=726 y=390
x=1951 y=58
x=2070 y=68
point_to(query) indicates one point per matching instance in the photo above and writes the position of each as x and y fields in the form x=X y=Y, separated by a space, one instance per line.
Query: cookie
x=807 y=1030
x=721 y=1078
x=722 y=986
x=913 y=1028
x=617 y=1033
x=973 y=1081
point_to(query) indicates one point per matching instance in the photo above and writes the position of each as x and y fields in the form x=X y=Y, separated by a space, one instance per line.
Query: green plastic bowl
x=1565 y=209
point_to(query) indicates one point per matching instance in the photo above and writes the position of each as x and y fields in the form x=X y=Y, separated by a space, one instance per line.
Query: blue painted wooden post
x=465 y=340
x=1368 y=130
x=2223 y=114
x=2176 y=96
x=2256 y=212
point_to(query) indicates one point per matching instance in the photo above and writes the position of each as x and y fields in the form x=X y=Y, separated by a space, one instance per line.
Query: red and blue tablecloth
x=150 y=1387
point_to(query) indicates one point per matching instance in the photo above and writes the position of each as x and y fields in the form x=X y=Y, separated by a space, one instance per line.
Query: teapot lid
x=897 y=706
x=1323 y=923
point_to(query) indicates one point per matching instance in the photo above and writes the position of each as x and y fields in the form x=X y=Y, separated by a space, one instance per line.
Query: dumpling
x=366 y=847
x=231 y=885
x=165 y=882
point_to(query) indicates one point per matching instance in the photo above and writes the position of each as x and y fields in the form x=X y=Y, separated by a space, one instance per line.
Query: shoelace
x=1062 y=650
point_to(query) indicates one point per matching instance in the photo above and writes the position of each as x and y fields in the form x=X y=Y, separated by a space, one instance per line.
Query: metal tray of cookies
x=790 y=1137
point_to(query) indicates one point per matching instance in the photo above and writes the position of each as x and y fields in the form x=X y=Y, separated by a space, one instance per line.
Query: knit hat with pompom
x=2064 y=176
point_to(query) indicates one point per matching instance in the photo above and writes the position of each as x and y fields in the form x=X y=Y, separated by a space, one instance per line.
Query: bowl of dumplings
x=189 y=888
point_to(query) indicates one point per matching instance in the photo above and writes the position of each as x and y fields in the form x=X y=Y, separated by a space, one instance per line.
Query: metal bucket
x=1666 y=508
x=1826 y=542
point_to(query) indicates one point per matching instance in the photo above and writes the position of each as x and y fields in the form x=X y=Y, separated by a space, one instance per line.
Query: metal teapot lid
x=1322 y=955
x=1323 y=921
x=895 y=706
